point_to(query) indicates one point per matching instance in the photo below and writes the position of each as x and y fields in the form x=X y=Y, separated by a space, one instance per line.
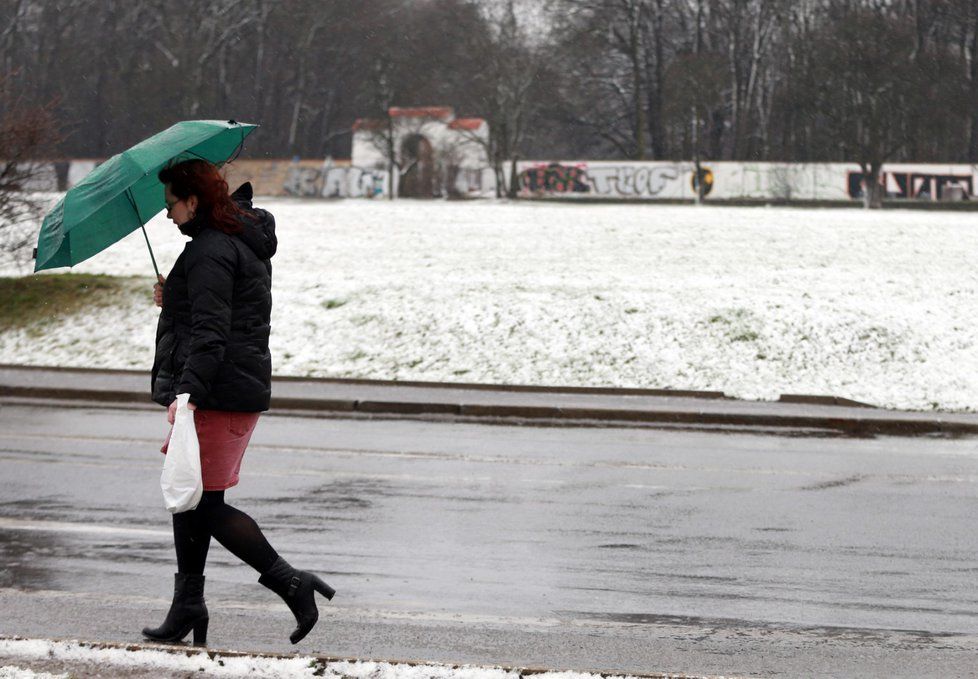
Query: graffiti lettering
x=368 y=184
x=302 y=181
x=334 y=182
x=912 y=184
x=641 y=182
x=625 y=181
x=706 y=174
x=554 y=178
x=352 y=182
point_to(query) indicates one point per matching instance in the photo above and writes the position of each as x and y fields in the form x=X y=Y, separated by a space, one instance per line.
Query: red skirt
x=223 y=437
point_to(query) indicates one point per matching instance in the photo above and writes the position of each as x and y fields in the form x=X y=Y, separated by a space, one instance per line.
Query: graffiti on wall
x=705 y=175
x=912 y=184
x=731 y=181
x=634 y=182
x=352 y=182
x=625 y=181
x=334 y=182
x=554 y=178
x=303 y=181
x=600 y=179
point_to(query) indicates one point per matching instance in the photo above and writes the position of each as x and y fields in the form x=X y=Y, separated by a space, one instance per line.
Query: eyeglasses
x=169 y=205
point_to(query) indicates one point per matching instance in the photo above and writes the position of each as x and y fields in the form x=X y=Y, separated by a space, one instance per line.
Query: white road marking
x=88 y=528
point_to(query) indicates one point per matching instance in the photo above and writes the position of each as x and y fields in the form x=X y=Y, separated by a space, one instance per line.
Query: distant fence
x=595 y=179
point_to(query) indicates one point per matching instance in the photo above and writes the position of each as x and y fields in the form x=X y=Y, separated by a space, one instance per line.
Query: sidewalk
x=535 y=405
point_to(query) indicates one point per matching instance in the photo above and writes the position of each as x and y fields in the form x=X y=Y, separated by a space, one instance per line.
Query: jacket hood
x=258 y=226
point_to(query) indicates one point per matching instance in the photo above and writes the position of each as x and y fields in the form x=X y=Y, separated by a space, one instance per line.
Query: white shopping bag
x=181 y=481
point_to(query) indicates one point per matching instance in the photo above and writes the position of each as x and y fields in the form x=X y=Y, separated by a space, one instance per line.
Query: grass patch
x=359 y=321
x=29 y=299
x=333 y=303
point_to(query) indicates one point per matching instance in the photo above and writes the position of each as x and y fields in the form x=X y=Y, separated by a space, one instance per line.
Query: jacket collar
x=192 y=227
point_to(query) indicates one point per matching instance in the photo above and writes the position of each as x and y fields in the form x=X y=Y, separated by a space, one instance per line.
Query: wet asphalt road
x=617 y=549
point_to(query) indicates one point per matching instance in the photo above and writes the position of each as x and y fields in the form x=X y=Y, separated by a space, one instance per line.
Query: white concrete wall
x=367 y=177
x=365 y=153
x=734 y=180
x=332 y=181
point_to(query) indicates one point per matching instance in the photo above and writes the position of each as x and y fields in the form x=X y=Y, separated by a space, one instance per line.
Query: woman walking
x=212 y=343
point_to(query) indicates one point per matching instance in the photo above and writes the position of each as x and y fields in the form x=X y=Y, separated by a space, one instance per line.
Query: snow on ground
x=755 y=302
x=14 y=672
x=83 y=659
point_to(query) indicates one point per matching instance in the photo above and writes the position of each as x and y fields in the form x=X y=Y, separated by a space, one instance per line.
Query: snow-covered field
x=755 y=302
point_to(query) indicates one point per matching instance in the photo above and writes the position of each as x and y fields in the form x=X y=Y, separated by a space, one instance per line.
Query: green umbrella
x=123 y=193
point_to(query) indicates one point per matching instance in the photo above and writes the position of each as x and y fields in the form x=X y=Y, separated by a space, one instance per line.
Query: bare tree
x=655 y=38
x=505 y=85
x=748 y=27
x=872 y=85
x=383 y=136
x=604 y=43
x=694 y=86
x=27 y=132
x=962 y=16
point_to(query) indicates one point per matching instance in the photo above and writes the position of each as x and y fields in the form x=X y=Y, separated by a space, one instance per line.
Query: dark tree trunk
x=973 y=137
x=872 y=190
x=973 y=91
x=657 y=131
x=392 y=166
x=513 y=179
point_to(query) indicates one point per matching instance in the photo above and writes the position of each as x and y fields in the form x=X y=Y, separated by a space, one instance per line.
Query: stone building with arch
x=434 y=153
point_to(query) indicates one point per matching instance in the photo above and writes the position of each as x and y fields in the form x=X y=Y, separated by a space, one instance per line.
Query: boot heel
x=200 y=632
x=322 y=587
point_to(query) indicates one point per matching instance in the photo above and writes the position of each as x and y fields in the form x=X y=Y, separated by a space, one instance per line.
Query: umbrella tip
x=232 y=122
x=34 y=254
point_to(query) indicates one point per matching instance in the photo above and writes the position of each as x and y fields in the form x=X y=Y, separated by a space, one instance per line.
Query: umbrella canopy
x=123 y=193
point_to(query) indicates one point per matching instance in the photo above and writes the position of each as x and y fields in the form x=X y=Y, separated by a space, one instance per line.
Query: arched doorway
x=418 y=181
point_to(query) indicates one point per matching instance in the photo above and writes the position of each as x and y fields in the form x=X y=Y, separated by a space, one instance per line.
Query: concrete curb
x=527 y=404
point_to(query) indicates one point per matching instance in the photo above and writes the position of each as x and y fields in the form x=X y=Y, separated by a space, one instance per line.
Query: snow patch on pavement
x=74 y=654
x=873 y=306
x=11 y=672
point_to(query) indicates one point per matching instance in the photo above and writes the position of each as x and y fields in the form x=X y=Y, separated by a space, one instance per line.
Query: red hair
x=202 y=179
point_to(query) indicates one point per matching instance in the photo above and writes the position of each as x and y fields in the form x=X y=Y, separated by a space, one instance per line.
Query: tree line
x=866 y=81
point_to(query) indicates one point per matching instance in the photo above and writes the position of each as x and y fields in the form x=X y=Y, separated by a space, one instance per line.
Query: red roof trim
x=471 y=124
x=421 y=112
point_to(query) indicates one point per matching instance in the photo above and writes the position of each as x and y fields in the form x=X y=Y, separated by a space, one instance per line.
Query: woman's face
x=178 y=210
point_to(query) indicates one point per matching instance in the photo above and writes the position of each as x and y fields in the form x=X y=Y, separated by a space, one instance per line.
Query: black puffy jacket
x=212 y=337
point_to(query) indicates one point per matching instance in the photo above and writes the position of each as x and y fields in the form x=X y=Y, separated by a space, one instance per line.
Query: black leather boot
x=187 y=612
x=298 y=589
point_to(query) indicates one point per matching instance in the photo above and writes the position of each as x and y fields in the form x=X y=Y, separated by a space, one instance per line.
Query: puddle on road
x=740 y=626
x=23 y=555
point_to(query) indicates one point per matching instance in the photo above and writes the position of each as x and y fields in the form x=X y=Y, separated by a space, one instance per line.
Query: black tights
x=234 y=529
